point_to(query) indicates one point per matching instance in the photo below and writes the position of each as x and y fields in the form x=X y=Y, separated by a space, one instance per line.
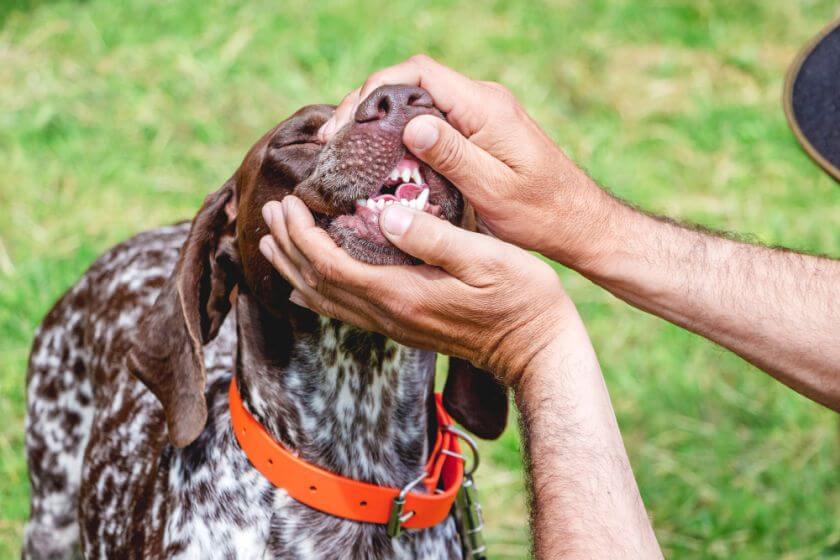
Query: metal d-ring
x=408 y=487
x=473 y=447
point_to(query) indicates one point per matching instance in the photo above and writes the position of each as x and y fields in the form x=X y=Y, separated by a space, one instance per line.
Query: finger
x=482 y=227
x=466 y=165
x=342 y=115
x=297 y=298
x=327 y=259
x=281 y=263
x=348 y=308
x=274 y=216
x=438 y=242
x=323 y=298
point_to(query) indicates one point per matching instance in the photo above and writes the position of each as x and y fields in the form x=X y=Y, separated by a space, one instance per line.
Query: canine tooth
x=395 y=174
x=380 y=204
x=415 y=176
x=371 y=204
x=361 y=202
x=404 y=201
x=406 y=175
x=422 y=198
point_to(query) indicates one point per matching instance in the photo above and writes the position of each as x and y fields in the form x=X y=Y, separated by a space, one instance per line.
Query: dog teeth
x=415 y=176
x=406 y=175
x=395 y=175
x=377 y=206
x=422 y=198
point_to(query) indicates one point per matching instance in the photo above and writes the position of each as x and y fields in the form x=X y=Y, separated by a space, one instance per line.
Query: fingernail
x=267 y=247
x=421 y=134
x=297 y=299
x=272 y=211
x=396 y=219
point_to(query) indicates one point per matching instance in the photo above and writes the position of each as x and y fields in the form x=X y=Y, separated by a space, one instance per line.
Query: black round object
x=812 y=98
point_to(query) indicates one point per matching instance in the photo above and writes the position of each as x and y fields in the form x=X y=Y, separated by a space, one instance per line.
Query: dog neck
x=349 y=401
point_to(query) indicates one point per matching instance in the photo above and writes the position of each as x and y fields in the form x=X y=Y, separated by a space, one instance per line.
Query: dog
x=129 y=442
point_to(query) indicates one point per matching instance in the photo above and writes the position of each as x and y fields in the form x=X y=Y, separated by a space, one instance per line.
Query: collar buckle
x=397 y=517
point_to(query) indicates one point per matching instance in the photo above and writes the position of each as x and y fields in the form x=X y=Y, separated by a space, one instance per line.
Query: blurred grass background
x=117 y=116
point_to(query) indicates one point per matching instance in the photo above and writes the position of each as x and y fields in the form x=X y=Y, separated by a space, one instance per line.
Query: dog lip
x=357 y=230
x=409 y=190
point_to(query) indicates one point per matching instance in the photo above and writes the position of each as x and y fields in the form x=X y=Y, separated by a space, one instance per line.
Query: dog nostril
x=384 y=107
x=419 y=100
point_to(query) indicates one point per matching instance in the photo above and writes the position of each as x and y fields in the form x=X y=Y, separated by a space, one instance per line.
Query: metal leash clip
x=397 y=517
x=472 y=519
x=468 y=505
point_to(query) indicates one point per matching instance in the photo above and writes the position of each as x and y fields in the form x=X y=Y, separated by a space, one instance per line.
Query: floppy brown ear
x=475 y=399
x=167 y=353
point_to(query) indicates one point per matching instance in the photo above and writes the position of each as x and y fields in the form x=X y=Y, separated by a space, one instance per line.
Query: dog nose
x=395 y=105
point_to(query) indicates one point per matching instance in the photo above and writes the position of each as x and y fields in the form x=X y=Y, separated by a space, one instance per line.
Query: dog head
x=346 y=183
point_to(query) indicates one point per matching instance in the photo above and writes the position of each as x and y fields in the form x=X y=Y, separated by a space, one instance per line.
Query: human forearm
x=775 y=308
x=584 y=499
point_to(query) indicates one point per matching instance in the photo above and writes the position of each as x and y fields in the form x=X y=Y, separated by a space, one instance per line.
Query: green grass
x=116 y=116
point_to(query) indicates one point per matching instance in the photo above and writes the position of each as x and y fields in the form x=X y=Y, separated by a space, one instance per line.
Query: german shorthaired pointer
x=128 y=428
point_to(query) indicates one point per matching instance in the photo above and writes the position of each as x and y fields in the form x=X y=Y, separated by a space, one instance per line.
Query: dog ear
x=167 y=352
x=475 y=399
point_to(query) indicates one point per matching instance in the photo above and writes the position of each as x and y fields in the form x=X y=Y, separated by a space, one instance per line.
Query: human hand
x=477 y=298
x=524 y=189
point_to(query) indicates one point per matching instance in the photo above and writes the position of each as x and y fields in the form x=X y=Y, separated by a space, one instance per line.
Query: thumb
x=433 y=240
x=467 y=166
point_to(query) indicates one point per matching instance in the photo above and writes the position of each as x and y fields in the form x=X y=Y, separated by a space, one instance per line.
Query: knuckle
x=421 y=59
x=324 y=269
x=496 y=86
x=504 y=92
x=327 y=307
x=392 y=328
x=371 y=83
x=505 y=97
x=311 y=278
x=399 y=310
x=393 y=309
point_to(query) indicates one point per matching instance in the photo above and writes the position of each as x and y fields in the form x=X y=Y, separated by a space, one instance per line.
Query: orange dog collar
x=352 y=499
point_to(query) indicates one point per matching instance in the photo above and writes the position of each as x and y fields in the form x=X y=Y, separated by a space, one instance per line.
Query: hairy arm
x=584 y=498
x=776 y=308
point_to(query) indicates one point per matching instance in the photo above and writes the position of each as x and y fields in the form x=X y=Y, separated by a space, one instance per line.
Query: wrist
x=567 y=343
x=588 y=224
x=532 y=345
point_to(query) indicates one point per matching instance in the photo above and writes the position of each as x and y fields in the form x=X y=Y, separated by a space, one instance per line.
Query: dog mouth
x=359 y=232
